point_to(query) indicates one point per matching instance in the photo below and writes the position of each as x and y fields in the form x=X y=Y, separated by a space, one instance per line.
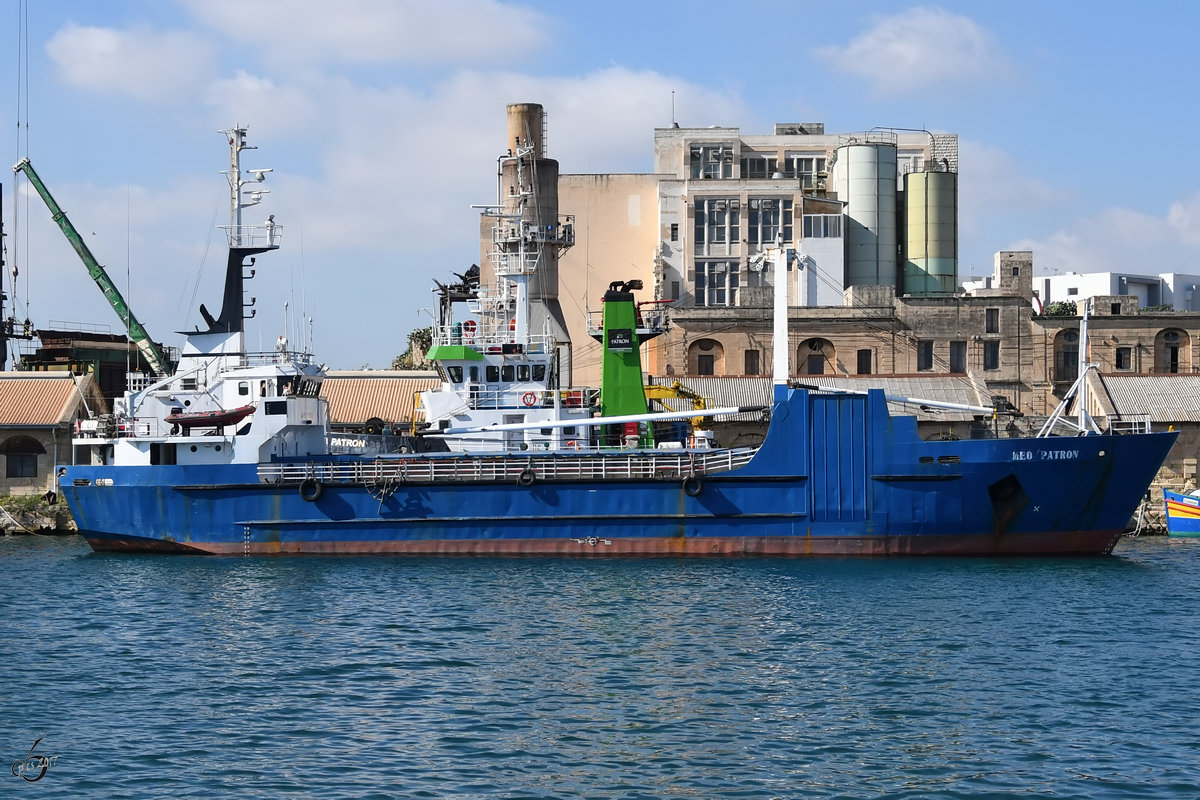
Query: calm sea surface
x=207 y=677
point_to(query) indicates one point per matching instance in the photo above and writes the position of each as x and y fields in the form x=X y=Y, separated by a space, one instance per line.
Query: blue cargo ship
x=234 y=454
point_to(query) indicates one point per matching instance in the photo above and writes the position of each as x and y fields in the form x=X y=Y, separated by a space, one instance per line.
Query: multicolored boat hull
x=1183 y=514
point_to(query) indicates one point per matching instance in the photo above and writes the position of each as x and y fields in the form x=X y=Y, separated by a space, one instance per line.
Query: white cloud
x=275 y=110
x=146 y=64
x=466 y=32
x=1184 y=218
x=394 y=165
x=917 y=50
x=1116 y=239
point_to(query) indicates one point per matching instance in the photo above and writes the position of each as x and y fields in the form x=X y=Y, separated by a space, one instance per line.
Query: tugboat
x=532 y=471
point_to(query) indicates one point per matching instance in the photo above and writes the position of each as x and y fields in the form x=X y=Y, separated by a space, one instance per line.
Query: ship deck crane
x=137 y=334
x=677 y=391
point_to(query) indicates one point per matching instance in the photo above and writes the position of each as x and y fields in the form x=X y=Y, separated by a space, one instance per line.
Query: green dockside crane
x=137 y=334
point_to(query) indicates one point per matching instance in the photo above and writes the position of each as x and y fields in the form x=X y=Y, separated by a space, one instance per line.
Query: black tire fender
x=310 y=489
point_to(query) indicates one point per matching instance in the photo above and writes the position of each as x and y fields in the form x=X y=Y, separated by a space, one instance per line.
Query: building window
x=1066 y=358
x=924 y=356
x=958 y=357
x=1016 y=272
x=822 y=226
x=768 y=220
x=1116 y=309
x=864 y=362
x=674 y=290
x=751 y=362
x=716 y=283
x=815 y=365
x=674 y=231
x=21 y=454
x=704 y=364
x=1072 y=291
x=1124 y=358
x=711 y=161
x=21 y=465
x=718 y=222
x=991 y=355
x=991 y=320
x=757 y=167
x=808 y=169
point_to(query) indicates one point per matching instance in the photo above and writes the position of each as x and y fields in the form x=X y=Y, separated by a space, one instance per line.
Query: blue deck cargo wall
x=838 y=473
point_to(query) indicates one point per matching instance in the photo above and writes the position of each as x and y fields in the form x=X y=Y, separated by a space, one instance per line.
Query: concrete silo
x=931 y=232
x=865 y=177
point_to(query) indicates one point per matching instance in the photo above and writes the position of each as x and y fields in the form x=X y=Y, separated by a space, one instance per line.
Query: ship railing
x=501 y=337
x=1138 y=423
x=520 y=469
x=514 y=231
x=652 y=319
x=267 y=236
x=523 y=398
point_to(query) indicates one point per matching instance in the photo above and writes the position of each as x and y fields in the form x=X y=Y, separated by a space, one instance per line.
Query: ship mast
x=238 y=235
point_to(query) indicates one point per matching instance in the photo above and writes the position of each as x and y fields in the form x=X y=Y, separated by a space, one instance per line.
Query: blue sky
x=382 y=121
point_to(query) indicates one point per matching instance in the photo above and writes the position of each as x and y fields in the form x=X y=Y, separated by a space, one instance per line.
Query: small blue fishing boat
x=1183 y=513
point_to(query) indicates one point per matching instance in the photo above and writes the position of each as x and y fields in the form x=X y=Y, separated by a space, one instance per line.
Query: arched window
x=706 y=357
x=816 y=357
x=1066 y=355
x=20 y=456
x=1172 y=351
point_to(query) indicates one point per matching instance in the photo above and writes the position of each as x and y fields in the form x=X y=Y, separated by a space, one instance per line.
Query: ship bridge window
x=539 y=372
x=455 y=374
x=243 y=387
x=492 y=373
x=507 y=373
x=522 y=372
x=473 y=372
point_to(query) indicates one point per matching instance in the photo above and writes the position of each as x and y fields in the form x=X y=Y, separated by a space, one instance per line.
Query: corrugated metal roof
x=39 y=398
x=1166 y=398
x=958 y=389
x=355 y=397
x=723 y=392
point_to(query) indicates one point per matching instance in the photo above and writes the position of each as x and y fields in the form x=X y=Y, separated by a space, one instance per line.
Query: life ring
x=528 y=399
x=526 y=478
x=572 y=445
x=693 y=485
x=310 y=489
x=468 y=329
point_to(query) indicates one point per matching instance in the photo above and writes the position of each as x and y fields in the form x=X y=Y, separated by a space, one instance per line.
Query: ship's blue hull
x=836 y=475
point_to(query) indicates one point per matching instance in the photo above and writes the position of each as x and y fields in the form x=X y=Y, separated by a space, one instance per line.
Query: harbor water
x=213 y=677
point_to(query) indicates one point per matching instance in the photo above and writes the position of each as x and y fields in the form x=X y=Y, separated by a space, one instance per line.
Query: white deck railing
x=641 y=465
